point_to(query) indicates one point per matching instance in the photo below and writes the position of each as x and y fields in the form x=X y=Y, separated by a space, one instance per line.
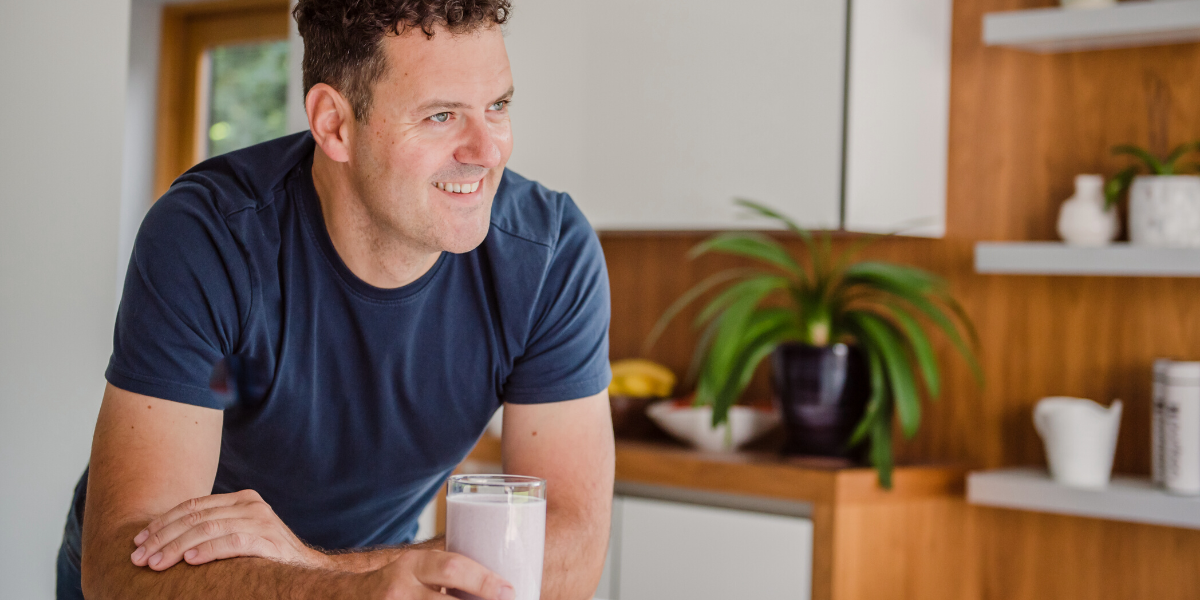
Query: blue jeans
x=70 y=586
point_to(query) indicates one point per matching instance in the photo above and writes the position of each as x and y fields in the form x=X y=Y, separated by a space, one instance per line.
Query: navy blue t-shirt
x=346 y=405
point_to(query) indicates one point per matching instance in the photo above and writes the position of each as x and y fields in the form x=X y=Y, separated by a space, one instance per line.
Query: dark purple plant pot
x=823 y=394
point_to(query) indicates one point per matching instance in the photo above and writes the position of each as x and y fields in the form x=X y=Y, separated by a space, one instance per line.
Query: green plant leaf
x=884 y=337
x=690 y=296
x=1156 y=166
x=881 y=449
x=892 y=276
x=771 y=213
x=878 y=397
x=735 y=321
x=752 y=244
x=757 y=345
x=922 y=350
x=939 y=318
x=732 y=293
x=1178 y=153
x=1115 y=187
x=703 y=343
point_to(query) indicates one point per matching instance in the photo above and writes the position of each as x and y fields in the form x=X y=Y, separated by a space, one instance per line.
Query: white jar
x=1180 y=426
x=1158 y=400
x=1083 y=220
x=1164 y=210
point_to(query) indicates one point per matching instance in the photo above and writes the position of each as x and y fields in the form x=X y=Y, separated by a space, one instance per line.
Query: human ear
x=329 y=118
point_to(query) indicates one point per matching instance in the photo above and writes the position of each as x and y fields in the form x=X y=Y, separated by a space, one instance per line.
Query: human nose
x=480 y=145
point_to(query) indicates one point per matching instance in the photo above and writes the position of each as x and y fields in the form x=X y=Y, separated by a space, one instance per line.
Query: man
x=367 y=295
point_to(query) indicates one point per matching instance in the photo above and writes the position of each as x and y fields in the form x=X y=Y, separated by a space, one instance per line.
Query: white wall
x=63 y=65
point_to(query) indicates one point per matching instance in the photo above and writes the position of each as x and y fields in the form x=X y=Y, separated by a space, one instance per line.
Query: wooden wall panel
x=1045 y=557
x=1021 y=126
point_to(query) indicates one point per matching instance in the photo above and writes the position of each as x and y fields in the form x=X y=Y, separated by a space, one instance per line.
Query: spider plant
x=1119 y=183
x=820 y=299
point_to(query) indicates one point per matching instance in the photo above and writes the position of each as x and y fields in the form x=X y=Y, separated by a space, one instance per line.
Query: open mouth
x=458 y=188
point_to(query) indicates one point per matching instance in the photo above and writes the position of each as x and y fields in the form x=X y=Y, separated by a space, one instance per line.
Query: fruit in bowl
x=693 y=424
x=635 y=384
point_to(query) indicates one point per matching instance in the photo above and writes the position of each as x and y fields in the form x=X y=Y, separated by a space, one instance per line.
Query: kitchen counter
x=867 y=542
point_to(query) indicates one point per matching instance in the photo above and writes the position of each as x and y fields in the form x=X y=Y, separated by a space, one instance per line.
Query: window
x=222 y=81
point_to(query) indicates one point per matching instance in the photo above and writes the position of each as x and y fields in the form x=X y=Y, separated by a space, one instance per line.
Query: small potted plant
x=847 y=340
x=1164 y=206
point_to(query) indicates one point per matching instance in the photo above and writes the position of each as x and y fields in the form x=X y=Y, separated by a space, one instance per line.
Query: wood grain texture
x=188 y=31
x=1022 y=126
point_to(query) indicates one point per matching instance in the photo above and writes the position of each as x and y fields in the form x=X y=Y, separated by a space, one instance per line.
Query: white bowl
x=693 y=424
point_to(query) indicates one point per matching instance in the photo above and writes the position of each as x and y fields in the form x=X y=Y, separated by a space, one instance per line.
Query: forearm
x=109 y=574
x=362 y=561
x=575 y=550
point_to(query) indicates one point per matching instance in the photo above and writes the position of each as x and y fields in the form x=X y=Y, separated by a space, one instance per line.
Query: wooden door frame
x=188 y=31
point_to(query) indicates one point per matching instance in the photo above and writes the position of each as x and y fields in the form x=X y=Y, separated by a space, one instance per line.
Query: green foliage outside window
x=248 y=95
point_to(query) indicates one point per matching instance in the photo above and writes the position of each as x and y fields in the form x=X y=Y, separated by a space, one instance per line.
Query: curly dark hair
x=343 y=39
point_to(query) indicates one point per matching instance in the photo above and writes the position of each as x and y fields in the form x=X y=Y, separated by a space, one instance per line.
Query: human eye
x=499 y=105
x=441 y=117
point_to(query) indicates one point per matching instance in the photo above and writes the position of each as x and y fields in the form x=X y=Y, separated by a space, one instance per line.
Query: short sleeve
x=183 y=303
x=566 y=356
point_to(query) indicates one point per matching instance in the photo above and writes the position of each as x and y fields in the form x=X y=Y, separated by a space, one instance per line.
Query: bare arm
x=570 y=444
x=149 y=455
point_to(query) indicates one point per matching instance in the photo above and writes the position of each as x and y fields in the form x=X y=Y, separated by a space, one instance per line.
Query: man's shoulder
x=250 y=178
x=528 y=210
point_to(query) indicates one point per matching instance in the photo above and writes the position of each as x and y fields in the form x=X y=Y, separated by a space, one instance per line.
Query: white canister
x=1181 y=428
x=1158 y=398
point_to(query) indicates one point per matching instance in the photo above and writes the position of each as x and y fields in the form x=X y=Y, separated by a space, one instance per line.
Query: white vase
x=1080 y=437
x=1083 y=220
x=1164 y=210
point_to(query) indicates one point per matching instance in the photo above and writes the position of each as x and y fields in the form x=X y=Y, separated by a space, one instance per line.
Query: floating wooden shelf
x=1126 y=499
x=1053 y=258
x=1126 y=24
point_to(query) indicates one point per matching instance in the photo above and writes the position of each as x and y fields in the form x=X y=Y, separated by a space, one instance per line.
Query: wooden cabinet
x=654 y=114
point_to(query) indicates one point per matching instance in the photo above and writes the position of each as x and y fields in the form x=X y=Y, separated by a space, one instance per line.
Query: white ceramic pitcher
x=1080 y=438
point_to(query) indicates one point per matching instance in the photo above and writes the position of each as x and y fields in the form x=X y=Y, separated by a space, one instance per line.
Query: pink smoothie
x=505 y=534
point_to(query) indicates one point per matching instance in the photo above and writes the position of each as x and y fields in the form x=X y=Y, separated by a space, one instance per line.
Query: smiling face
x=428 y=158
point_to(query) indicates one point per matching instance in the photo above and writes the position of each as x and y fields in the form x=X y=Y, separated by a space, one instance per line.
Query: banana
x=641 y=378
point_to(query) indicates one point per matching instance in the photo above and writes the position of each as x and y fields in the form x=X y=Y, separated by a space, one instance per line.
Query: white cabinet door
x=654 y=114
x=898 y=116
x=670 y=550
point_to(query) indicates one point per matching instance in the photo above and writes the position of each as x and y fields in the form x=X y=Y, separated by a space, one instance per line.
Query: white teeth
x=458 y=188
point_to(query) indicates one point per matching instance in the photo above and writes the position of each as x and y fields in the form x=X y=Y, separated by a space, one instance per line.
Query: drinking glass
x=499 y=521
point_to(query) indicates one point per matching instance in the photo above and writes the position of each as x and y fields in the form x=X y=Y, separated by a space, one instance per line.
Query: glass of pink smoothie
x=499 y=521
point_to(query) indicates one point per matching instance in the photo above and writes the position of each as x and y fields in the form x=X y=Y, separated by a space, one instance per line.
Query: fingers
x=169 y=533
x=226 y=546
x=191 y=506
x=242 y=536
x=455 y=571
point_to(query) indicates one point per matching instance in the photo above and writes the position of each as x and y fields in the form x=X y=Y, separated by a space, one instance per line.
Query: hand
x=220 y=526
x=424 y=574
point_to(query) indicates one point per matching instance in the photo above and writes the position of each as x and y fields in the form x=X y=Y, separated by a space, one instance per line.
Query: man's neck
x=373 y=253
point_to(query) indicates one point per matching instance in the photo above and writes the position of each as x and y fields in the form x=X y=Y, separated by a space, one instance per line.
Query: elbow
x=95 y=585
x=93 y=588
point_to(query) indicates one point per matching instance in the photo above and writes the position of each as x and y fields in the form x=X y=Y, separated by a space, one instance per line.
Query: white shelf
x=1054 y=258
x=1130 y=499
x=1070 y=30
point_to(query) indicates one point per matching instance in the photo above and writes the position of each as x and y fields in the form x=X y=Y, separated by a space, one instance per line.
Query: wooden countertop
x=764 y=474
